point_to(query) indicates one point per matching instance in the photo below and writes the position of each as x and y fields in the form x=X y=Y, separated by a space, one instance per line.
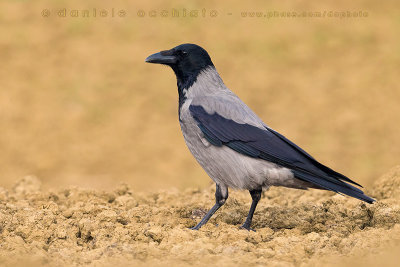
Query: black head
x=187 y=61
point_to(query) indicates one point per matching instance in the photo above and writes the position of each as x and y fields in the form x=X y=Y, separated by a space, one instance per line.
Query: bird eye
x=183 y=53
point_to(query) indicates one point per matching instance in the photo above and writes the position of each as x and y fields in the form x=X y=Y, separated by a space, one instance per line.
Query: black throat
x=184 y=82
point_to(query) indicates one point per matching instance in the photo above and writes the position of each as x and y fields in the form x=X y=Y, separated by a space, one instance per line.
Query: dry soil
x=77 y=226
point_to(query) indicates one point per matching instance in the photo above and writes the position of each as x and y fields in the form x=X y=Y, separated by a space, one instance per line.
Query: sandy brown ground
x=77 y=226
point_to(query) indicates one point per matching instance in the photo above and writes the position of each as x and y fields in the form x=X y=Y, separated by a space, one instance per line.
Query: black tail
x=333 y=185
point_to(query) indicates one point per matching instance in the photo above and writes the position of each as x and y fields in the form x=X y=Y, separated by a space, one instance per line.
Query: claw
x=244 y=227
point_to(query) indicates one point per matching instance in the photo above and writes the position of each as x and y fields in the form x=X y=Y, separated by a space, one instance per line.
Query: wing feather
x=265 y=143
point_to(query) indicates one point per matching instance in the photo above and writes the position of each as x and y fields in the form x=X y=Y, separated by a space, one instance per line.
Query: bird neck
x=184 y=82
x=204 y=82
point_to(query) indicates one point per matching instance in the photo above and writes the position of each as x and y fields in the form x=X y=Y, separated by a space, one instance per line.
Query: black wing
x=271 y=146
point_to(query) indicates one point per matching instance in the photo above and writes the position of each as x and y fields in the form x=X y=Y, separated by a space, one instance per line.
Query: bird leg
x=221 y=194
x=255 y=195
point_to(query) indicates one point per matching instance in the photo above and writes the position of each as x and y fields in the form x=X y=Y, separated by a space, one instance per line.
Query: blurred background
x=78 y=105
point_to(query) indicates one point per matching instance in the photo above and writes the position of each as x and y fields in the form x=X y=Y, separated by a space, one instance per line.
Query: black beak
x=163 y=57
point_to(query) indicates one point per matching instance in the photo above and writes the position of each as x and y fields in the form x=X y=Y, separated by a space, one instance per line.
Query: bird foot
x=245 y=227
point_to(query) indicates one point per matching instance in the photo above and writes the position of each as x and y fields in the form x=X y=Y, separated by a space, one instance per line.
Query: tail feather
x=340 y=187
x=322 y=167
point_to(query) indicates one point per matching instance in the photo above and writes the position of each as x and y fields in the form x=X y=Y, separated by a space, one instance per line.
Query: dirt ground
x=77 y=226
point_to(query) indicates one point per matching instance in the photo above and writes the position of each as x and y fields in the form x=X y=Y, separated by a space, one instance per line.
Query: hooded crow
x=232 y=144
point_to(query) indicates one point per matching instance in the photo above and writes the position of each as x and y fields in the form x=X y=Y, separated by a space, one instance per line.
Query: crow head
x=186 y=60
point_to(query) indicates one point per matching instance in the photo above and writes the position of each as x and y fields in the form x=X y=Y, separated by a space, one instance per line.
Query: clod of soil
x=77 y=226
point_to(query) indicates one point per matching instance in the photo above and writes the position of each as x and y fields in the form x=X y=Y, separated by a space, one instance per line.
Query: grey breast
x=224 y=165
